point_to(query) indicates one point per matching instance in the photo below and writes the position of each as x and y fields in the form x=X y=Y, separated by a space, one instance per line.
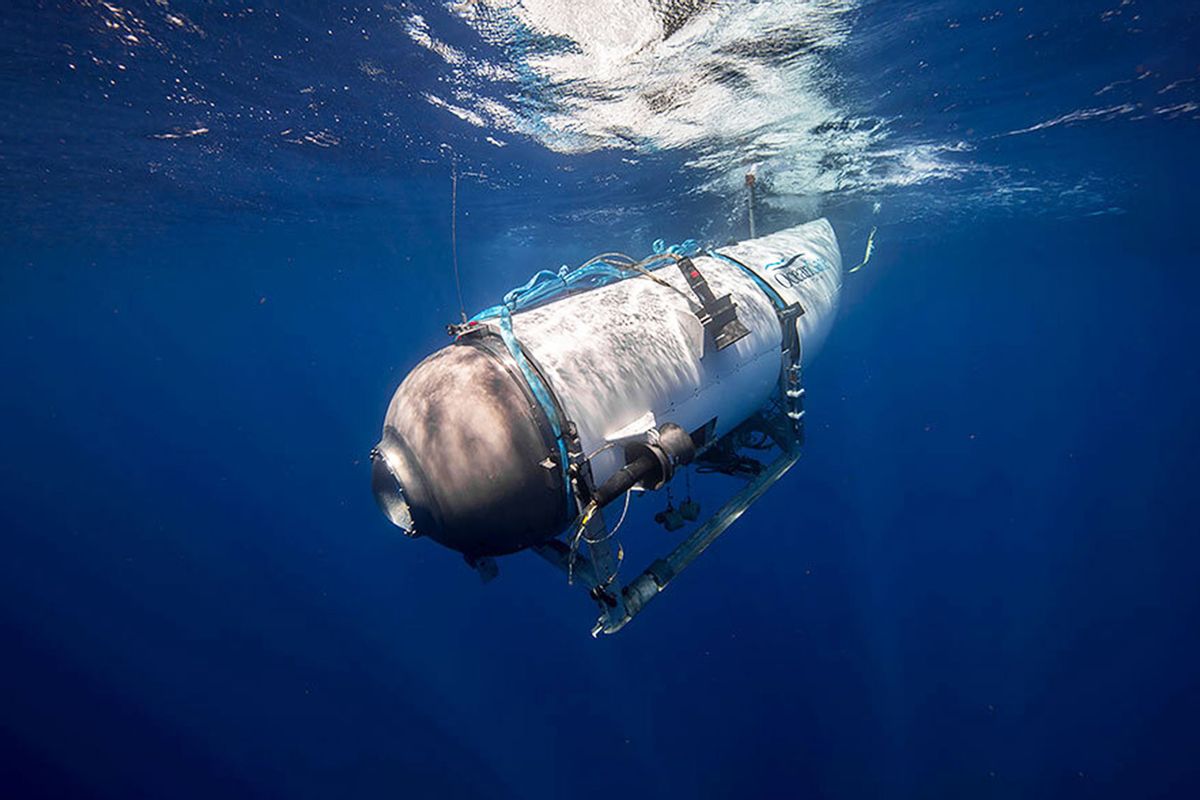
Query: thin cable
x=624 y=511
x=620 y=550
x=584 y=519
x=606 y=256
x=640 y=268
x=580 y=536
x=601 y=449
x=608 y=535
x=750 y=180
x=462 y=307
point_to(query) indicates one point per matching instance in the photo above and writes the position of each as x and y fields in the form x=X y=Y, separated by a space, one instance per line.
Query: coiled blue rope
x=688 y=248
x=545 y=285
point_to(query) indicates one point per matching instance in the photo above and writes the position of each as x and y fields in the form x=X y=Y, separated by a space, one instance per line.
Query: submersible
x=587 y=384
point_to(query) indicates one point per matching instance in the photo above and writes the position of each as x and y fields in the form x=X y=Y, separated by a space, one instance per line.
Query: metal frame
x=597 y=569
x=782 y=421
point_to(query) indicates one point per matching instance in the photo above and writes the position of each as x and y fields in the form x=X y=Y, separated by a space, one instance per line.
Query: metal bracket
x=718 y=315
x=579 y=468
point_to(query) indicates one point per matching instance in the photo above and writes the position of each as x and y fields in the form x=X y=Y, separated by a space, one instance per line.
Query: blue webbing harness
x=542 y=393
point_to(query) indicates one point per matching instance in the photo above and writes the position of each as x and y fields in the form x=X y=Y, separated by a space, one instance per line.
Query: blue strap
x=776 y=299
x=542 y=393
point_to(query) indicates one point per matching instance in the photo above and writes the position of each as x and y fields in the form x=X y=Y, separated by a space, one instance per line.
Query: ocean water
x=226 y=238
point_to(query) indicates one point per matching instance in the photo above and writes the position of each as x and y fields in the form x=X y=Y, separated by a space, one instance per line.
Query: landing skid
x=596 y=570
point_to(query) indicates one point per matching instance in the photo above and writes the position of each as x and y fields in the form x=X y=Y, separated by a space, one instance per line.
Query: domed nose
x=468 y=457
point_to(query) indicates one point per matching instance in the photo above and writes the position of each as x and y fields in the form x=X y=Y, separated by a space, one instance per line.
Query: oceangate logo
x=791 y=272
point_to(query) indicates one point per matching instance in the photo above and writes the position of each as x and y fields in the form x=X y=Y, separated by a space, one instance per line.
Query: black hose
x=625 y=478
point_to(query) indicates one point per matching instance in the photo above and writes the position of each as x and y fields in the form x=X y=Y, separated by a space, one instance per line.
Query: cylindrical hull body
x=627 y=356
x=470 y=449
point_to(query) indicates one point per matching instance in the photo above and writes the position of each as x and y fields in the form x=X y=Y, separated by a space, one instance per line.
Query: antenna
x=462 y=309
x=750 y=199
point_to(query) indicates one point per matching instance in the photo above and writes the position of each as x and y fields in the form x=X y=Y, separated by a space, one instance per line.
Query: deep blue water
x=226 y=239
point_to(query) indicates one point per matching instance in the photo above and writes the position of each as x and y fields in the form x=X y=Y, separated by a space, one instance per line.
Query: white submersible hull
x=533 y=420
